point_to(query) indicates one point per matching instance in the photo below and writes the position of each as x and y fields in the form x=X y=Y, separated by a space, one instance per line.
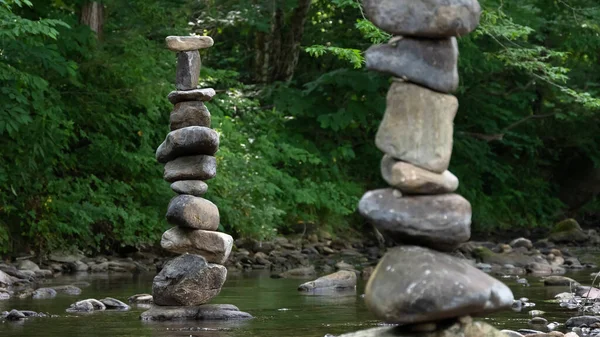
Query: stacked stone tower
x=418 y=282
x=197 y=276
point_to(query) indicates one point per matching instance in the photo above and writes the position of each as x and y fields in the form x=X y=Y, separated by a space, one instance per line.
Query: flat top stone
x=202 y=95
x=188 y=43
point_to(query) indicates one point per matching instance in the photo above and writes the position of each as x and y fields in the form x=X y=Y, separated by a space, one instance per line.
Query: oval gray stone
x=191 y=168
x=342 y=279
x=188 y=280
x=202 y=95
x=216 y=312
x=187 y=43
x=411 y=179
x=188 y=141
x=193 y=212
x=192 y=113
x=440 y=221
x=414 y=284
x=417 y=126
x=430 y=63
x=192 y=187
x=188 y=70
x=215 y=247
x=424 y=18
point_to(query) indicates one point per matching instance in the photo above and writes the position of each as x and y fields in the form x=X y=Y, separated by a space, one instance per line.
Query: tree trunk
x=279 y=49
x=92 y=15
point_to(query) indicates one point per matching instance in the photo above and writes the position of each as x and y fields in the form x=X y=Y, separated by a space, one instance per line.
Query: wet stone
x=188 y=70
x=188 y=43
x=440 y=222
x=413 y=284
x=188 y=141
x=195 y=313
x=192 y=187
x=202 y=95
x=192 y=113
x=424 y=18
x=215 y=247
x=193 y=212
x=427 y=62
x=200 y=167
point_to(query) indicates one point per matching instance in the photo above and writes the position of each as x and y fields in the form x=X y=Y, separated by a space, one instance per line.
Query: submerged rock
x=68 y=289
x=414 y=284
x=113 y=303
x=560 y=281
x=342 y=279
x=298 y=272
x=473 y=329
x=202 y=312
x=43 y=293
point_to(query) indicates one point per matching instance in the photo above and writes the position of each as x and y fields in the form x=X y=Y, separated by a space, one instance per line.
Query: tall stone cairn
x=197 y=276
x=418 y=282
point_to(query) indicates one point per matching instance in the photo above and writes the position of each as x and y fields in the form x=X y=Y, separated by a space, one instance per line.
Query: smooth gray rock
x=582 y=320
x=188 y=280
x=43 y=294
x=413 y=284
x=15 y=315
x=195 y=313
x=192 y=113
x=193 y=212
x=411 y=179
x=427 y=62
x=28 y=265
x=87 y=305
x=113 y=303
x=440 y=221
x=200 y=167
x=342 y=279
x=65 y=257
x=424 y=18
x=188 y=141
x=140 y=299
x=188 y=43
x=417 y=126
x=299 y=272
x=472 y=329
x=202 y=95
x=557 y=280
x=521 y=242
x=215 y=247
x=188 y=70
x=68 y=289
x=191 y=187
x=5 y=279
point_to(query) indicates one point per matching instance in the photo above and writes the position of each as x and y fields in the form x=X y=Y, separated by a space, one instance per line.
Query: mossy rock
x=566 y=226
x=481 y=253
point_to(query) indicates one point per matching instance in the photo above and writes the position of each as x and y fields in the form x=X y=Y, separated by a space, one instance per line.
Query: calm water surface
x=279 y=310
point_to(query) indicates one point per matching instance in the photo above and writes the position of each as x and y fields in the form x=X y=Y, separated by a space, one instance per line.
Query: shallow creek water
x=278 y=308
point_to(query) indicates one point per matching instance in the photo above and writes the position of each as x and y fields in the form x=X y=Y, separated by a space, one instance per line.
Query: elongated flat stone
x=188 y=280
x=189 y=141
x=202 y=95
x=430 y=63
x=424 y=18
x=192 y=113
x=440 y=222
x=417 y=126
x=414 y=285
x=188 y=43
x=188 y=70
x=192 y=187
x=191 y=168
x=193 y=212
x=205 y=312
x=215 y=247
x=411 y=179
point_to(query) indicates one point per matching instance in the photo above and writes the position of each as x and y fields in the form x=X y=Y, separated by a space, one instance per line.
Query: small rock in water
x=87 y=306
x=69 y=290
x=342 y=279
x=200 y=167
x=431 y=63
x=521 y=242
x=560 y=281
x=202 y=95
x=188 y=70
x=140 y=299
x=193 y=212
x=511 y=333
x=112 y=303
x=428 y=18
x=195 y=313
x=188 y=141
x=298 y=272
x=413 y=284
x=188 y=43
x=196 y=188
x=579 y=321
x=44 y=293
x=474 y=329
x=15 y=315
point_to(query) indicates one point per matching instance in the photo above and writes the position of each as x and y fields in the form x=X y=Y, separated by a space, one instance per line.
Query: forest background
x=83 y=88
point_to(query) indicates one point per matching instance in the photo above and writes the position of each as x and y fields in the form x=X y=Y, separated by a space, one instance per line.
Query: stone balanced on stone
x=418 y=284
x=186 y=283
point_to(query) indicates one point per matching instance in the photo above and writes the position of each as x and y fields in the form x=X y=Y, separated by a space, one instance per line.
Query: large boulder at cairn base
x=188 y=43
x=200 y=167
x=440 y=221
x=424 y=18
x=417 y=126
x=195 y=313
x=413 y=284
x=215 y=247
x=193 y=212
x=192 y=187
x=430 y=63
x=188 y=70
x=411 y=179
x=474 y=329
x=192 y=140
x=202 y=95
x=188 y=280
x=343 y=279
x=193 y=113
